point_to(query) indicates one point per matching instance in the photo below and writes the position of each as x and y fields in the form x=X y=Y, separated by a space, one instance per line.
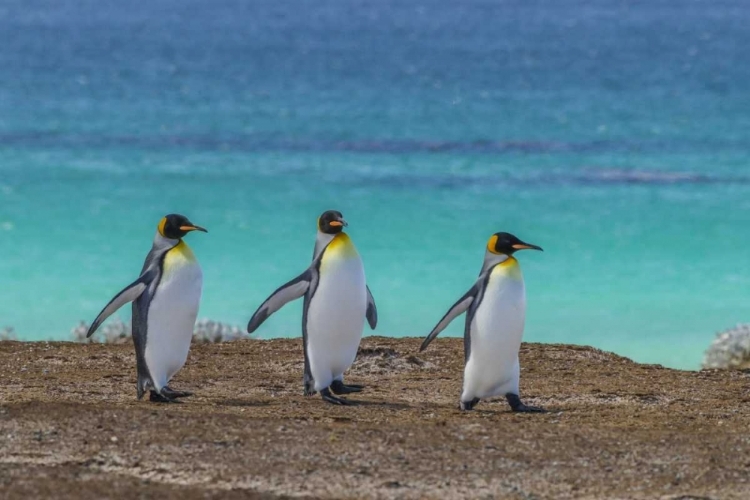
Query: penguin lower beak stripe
x=527 y=246
x=337 y=223
x=192 y=228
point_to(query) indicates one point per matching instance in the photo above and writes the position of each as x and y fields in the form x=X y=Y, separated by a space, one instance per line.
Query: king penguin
x=336 y=302
x=165 y=304
x=495 y=314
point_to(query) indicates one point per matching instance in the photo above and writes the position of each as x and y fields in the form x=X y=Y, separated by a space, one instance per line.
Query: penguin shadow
x=378 y=404
x=485 y=412
x=506 y=412
x=245 y=403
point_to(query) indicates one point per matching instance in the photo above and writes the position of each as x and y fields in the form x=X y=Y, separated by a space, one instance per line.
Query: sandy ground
x=70 y=427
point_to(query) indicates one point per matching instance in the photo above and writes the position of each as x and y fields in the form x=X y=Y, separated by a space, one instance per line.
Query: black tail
x=144 y=377
x=144 y=384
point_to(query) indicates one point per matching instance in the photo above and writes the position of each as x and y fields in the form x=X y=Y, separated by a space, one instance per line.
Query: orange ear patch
x=492 y=243
x=162 y=223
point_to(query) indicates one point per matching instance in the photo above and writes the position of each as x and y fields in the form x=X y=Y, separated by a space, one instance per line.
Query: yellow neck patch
x=509 y=268
x=341 y=246
x=177 y=257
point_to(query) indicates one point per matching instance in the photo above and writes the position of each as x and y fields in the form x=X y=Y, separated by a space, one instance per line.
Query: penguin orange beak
x=193 y=228
x=338 y=223
x=527 y=246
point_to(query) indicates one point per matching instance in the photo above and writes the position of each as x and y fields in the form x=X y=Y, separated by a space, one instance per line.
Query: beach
x=71 y=427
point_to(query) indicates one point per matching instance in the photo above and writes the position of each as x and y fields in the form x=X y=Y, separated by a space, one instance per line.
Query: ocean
x=614 y=134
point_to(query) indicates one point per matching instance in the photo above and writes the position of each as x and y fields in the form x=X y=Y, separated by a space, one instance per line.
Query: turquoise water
x=615 y=135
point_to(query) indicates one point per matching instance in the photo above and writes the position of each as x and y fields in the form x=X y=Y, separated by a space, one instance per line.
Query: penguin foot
x=338 y=387
x=330 y=398
x=156 y=397
x=172 y=394
x=468 y=405
x=516 y=405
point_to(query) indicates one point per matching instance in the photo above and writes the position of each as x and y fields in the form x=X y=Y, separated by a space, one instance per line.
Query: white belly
x=171 y=319
x=496 y=332
x=335 y=319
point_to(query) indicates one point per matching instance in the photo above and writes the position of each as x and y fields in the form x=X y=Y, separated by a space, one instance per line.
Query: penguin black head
x=331 y=222
x=507 y=244
x=175 y=226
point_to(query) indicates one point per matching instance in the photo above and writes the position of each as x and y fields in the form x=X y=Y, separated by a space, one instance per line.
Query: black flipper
x=287 y=292
x=456 y=309
x=372 y=311
x=127 y=294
